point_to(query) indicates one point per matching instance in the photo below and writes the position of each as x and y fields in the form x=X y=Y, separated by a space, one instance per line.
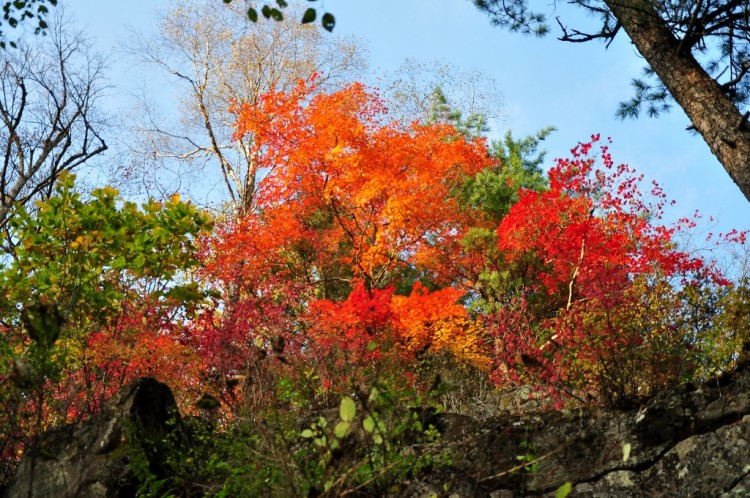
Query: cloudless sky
x=575 y=87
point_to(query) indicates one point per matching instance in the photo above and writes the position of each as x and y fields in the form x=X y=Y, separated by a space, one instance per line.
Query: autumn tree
x=697 y=54
x=216 y=55
x=601 y=287
x=93 y=297
x=373 y=182
x=352 y=207
x=50 y=119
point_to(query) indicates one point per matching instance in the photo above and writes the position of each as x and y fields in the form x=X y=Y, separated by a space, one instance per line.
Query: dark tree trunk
x=711 y=111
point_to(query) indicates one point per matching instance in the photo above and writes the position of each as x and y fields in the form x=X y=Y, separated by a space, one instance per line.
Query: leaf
x=342 y=429
x=368 y=424
x=374 y=395
x=564 y=490
x=276 y=14
x=626 y=451
x=309 y=16
x=328 y=21
x=307 y=434
x=348 y=409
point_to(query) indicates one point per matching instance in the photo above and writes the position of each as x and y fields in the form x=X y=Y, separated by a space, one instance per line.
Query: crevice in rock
x=737 y=481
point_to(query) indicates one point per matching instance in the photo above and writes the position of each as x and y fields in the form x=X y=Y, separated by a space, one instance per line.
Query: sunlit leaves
x=604 y=286
x=351 y=208
x=384 y=191
x=94 y=295
x=84 y=255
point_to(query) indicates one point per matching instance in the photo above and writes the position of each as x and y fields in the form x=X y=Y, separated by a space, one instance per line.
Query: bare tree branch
x=217 y=56
x=49 y=123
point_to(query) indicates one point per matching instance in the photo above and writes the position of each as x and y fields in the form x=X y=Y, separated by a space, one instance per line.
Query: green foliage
x=17 y=11
x=80 y=260
x=77 y=267
x=364 y=449
x=564 y=490
x=275 y=11
x=650 y=93
x=491 y=193
x=495 y=190
x=515 y=16
x=528 y=458
x=720 y=330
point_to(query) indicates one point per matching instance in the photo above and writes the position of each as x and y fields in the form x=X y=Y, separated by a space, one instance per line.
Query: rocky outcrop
x=94 y=459
x=691 y=442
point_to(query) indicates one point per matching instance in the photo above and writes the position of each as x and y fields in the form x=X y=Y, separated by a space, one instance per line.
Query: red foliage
x=592 y=230
x=593 y=235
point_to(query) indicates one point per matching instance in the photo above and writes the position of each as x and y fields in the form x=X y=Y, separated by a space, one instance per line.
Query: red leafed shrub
x=616 y=280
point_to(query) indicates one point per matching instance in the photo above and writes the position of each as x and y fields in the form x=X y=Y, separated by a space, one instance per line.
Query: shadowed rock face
x=90 y=460
x=691 y=442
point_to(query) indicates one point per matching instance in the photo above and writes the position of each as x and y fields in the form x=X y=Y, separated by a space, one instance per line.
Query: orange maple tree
x=349 y=207
x=372 y=195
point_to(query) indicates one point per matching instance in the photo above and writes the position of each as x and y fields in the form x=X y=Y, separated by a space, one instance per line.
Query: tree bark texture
x=724 y=128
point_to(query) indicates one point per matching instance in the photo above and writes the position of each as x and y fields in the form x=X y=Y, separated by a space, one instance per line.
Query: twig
x=526 y=463
x=575 y=275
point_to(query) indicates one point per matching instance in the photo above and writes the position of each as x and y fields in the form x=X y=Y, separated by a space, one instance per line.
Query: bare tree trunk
x=710 y=109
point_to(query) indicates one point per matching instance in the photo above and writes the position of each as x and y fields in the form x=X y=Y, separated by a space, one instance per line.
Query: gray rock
x=91 y=460
x=689 y=442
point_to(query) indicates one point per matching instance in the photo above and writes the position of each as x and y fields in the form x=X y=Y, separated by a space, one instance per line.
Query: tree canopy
x=697 y=54
x=378 y=264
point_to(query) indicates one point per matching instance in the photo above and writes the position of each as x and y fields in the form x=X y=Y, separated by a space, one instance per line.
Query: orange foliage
x=340 y=178
x=421 y=322
x=438 y=321
x=348 y=205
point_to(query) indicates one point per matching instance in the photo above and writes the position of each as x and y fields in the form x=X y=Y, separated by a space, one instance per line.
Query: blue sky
x=575 y=87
